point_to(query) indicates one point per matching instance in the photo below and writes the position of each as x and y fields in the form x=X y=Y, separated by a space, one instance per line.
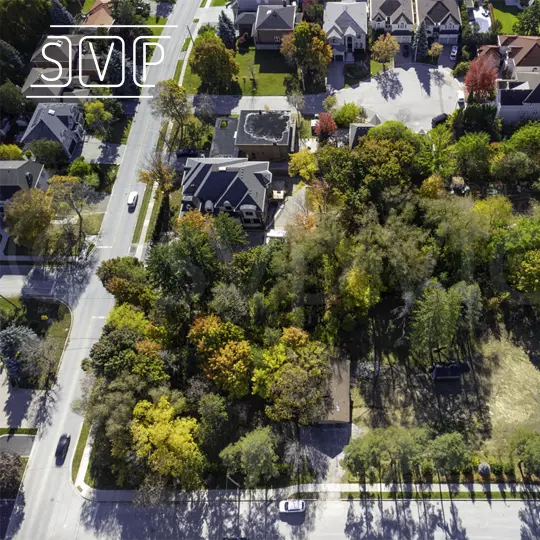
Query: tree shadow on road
x=13 y=524
x=389 y=84
x=530 y=520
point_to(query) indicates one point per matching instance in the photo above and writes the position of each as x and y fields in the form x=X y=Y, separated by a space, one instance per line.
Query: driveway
x=17 y=444
x=483 y=21
x=412 y=94
x=335 y=76
x=96 y=151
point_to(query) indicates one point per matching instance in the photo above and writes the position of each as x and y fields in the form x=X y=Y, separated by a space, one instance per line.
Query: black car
x=439 y=119
x=62 y=447
x=405 y=51
x=188 y=152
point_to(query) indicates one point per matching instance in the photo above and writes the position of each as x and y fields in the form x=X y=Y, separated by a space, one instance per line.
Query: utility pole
x=190 y=35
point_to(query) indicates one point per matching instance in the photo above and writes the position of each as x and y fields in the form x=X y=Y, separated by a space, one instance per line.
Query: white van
x=461 y=99
x=132 y=199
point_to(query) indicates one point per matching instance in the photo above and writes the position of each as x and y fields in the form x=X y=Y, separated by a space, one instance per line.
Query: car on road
x=292 y=506
x=453 y=52
x=405 y=51
x=132 y=199
x=439 y=119
x=62 y=447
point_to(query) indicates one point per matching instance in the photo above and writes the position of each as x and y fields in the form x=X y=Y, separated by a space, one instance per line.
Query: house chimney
x=29 y=179
x=51 y=112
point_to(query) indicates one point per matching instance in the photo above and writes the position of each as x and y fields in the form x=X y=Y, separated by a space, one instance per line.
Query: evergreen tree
x=226 y=31
x=420 y=42
x=114 y=73
x=11 y=64
x=59 y=13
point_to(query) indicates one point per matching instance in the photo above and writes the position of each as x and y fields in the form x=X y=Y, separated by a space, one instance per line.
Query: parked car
x=292 y=506
x=454 y=52
x=62 y=447
x=405 y=51
x=461 y=99
x=188 y=152
x=439 y=119
x=132 y=199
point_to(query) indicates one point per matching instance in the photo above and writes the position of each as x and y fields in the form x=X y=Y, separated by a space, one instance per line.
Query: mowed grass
x=142 y=213
x=178 y=70
x=269 y=67
x=87 y=6
x=154 y=20
x=507 y=15
x=92 y=223
x=81 y=443
x=376 y=67
x=216 y=3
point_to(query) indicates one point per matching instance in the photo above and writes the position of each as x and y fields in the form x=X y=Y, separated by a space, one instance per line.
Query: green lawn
x=270 y=71
x=178 y=70
x=81 y=443
x=118 y=133
x=305 y=129
x=507 y=15
x=92 y=223
x=18 y=431
x=375 y=67
x=88 y=5
x=161 y=21
x=218 y=3
x=142 y=213
x=185 y=46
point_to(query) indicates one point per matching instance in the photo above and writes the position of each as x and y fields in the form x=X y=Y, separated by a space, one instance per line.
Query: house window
x=277 y=39
x=248 y=213
x=402 y=25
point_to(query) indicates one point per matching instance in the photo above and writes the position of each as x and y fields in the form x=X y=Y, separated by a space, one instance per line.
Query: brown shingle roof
x=525 y=50
x=101 y=13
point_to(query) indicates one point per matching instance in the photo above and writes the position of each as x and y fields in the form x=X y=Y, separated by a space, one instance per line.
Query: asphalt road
x=48 y=506
x=18 y=444
x=328 y=520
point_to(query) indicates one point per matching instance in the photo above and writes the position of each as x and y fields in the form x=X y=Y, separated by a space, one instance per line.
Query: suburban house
x=20 y=174
x=101 y=13
x=63 y=91
x=60 y=122
x=518 y=89
x=358 y=130
x=259 y=135
x=346 y=26
x=245 y=13
x=272 y=23
x=442 y=19
x=393 y=17
x=233 y=185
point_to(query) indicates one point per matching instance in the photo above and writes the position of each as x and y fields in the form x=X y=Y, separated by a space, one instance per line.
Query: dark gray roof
x=275 y=18
x=247 y=17
x=18 y=174
x=395 y=9
x=438 y=11
x=223 y=182
x=34 y=77
x=534 y=96
x=55 y=126
x=223 y=140
x=264 y=128
x=513 y=97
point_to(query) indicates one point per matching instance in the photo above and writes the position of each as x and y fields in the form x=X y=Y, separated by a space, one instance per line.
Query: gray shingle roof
x=438 y=11
x=340 y=16
x=275 y=18
x=18 y=174
x=381 y=9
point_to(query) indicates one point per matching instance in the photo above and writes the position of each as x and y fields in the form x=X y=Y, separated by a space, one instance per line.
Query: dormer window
x=277 y=39
x=402 y=25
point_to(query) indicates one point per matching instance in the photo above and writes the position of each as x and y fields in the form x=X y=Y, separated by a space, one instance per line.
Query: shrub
x=497 y=468
x=461 y=69
x=509 y=468
x=427 y=469
x=484 y=470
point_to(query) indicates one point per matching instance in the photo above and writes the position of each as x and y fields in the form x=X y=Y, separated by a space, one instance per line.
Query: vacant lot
x=268 y=68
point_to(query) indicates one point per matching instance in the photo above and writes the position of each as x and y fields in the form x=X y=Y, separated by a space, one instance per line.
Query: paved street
x=48 y=506
x=323 y=520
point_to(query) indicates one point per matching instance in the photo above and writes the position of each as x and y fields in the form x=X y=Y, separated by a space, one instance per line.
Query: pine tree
x=59 y=13
x=11 y=64
x=420 y=43
x=226 y=31
x=114 y=73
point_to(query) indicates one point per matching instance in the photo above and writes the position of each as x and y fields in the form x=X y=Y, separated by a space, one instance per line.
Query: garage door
x=338 y=58
x=403 y=39
x=448 y=40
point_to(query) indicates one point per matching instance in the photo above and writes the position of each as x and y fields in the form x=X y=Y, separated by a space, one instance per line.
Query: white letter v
x=101 y=74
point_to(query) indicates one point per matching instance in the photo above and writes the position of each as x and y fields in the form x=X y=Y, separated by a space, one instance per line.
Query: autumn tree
x=10 y=152
x=97 y=117
x=481 y=78
x=325 y=126
x=384 y=49
x=213 y=63
x=230 y=368
x=157 y=170
x=435 y=50
x=167 y=443
x=304 y=164
x=254 y=455
x=28 y=214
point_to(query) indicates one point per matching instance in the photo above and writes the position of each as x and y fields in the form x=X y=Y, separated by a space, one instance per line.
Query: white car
x=292 y=506
x=453 y=52
x=132 y=199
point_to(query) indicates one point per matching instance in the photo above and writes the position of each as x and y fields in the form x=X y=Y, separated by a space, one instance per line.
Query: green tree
x=229 y=303
x=228 y=232
x=449 y=453
x=434 y=323
x=12 y=100
x=157 y=170
x=347 y=114
x=11 y=63
x=527 y=140
x=213 y=421
x=473 y=154
x=525 y=444
x=98 y=119
x=528 y=21
x=167 y=443
x=209 y=334
x=129 y=268
x=129 y=317
x=171 y=102
x=9 y=152
x=525 y=272
x=213 y=63
x=512 y=167
x=59 y=13
x=50 y=153
x=253 y=455
x=19 y=346
x=384 y=49
x=477 y=117
x=304 y=164
x=28 y=214
x=80 y=168
x=420 y=43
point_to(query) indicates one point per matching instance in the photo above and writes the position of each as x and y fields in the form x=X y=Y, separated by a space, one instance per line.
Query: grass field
x=178 y=70
x=142 y=213
x=81 y=443
x=216 y=3
x=92 y=223
x=88 y=5
x=507 y=15
x=269 y=67
x=185 y=46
